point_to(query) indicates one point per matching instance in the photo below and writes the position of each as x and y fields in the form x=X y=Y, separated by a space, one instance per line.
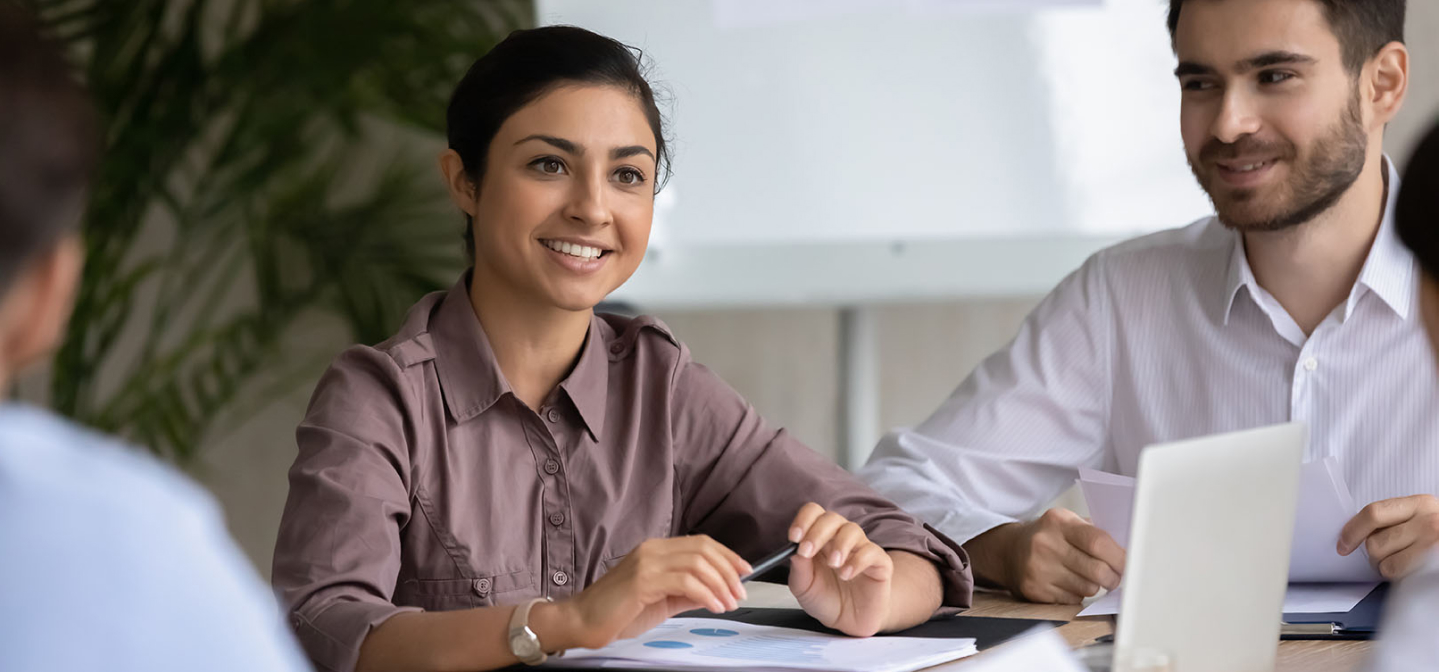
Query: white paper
x=1324 y=598
x=1325 y=505
x=1110 y=498
x=1300 y=598
x=1044 y=650
x=709 y=644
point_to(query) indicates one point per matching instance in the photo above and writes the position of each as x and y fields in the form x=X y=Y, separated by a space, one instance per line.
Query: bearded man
x=1295 y=302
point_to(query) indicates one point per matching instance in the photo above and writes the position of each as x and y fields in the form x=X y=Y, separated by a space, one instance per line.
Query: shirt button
x=557 y=519
x=561 y=578
x=617 y=348
x=1311 y=364
x=553 y=415
x=482 y=587
x=552 y=467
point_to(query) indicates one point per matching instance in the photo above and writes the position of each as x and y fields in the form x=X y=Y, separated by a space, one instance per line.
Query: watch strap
x=520 y=631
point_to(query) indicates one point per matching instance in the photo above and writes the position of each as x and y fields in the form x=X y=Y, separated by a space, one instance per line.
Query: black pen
x=770 y=562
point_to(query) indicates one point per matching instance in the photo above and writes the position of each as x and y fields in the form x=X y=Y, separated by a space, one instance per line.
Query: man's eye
x=1196 y=85
x=1274 y=77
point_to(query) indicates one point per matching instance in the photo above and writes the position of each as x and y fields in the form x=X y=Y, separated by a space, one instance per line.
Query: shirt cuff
x=949 y=558
x=332 y=635
x=964 y=526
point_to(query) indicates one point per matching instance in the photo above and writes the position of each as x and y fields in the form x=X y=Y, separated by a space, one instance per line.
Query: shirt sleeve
x=337 y=558
x=742 y=483
x=1012 y=436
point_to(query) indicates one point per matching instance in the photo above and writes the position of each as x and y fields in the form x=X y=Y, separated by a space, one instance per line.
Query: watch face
x=524 y=647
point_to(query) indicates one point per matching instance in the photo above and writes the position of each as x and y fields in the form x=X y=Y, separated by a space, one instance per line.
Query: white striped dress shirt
x=1168 y=337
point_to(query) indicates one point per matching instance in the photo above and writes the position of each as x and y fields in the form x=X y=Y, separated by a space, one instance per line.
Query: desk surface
x=1293 y=656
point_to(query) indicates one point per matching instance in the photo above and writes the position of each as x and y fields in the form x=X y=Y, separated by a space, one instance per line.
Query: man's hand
x=1058 y=558
x=1395 y=532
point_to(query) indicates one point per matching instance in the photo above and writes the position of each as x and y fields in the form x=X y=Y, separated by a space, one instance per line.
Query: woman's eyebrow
x=562 y=144
x=632 y=150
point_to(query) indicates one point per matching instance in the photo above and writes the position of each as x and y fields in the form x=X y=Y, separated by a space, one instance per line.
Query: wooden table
x=1293 y=656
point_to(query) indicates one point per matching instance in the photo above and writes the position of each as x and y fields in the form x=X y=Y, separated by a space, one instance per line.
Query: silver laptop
x=1209 y=551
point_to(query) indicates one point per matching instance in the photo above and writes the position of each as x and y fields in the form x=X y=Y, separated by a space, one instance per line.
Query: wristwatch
x=524 y=643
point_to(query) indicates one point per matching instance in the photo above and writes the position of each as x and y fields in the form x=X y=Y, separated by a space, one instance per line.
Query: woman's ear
x=458 y=182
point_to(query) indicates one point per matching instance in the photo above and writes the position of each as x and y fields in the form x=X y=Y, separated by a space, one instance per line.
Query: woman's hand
x=660 y=578
x=838 y=575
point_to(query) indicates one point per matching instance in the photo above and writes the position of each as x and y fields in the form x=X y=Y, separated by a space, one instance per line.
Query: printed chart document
x=1321 y=580
x=714 y=644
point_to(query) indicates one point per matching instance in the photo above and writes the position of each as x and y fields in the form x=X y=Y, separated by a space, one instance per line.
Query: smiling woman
x=513 y=474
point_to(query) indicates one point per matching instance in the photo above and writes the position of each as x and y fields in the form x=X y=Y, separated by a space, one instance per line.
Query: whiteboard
x=867 y=126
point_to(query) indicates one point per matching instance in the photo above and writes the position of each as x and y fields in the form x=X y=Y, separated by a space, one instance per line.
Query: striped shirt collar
x=1388 y=270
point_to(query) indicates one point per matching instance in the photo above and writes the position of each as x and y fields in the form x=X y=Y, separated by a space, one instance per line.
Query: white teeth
x=579 y=251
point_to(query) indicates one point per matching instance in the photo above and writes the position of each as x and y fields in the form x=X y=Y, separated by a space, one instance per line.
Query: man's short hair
x=1362 y=26
x=49 y=142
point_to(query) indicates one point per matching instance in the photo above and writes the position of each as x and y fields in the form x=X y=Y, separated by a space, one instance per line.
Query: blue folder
x=1361 y=622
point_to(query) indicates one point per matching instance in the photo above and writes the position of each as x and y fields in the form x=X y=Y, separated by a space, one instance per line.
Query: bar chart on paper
x=707 y=644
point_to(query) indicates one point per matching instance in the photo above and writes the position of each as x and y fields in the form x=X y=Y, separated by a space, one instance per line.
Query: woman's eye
x=629 y=176
x=549 y=166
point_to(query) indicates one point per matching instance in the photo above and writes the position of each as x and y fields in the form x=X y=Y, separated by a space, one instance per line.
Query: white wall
x=784 y=361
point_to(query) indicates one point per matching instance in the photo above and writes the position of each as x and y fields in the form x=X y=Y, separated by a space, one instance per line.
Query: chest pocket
x=451 y=594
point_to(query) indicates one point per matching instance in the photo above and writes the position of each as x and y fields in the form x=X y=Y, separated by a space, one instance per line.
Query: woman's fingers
x=870 y=560
x=695 y=563
x=803 y=520
x=848 y=537
x=819 y=534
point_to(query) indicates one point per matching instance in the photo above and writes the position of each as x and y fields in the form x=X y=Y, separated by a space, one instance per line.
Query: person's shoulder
x=52 y=466
x=409 y=346
x=1199 y=245
x=629 y=335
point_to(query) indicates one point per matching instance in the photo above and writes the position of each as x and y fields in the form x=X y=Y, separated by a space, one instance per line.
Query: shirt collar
x=471 y=377
x=1388 y=270
x=588 y=385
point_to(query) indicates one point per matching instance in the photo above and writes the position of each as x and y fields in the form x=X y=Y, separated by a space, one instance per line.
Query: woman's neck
x=535 y=345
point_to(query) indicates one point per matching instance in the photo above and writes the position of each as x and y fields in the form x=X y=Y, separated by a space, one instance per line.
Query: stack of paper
x=1042 y=651
x=1320 y=580
x=713 y=644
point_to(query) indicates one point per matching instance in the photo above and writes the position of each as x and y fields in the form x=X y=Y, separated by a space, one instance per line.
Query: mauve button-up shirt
x=423 y=483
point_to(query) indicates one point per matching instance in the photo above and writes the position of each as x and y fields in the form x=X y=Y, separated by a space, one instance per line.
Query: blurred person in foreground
x=108 y=559
x=1407 y=639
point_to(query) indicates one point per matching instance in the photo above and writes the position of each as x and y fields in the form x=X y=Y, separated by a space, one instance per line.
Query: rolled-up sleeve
x=742 y=483
x=1012 y=436
x=337 y=558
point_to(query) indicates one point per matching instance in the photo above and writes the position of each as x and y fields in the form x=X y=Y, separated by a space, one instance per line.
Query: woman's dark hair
x=49 y=142
x=1416 y=215
x=529 y=64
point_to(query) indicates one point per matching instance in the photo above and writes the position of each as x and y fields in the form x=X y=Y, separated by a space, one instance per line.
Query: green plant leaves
x=247 y=185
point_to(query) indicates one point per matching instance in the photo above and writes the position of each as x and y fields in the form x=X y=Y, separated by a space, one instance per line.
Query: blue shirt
x=111 y=561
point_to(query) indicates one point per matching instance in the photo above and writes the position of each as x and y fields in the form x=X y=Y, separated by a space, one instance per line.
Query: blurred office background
x=868 y=198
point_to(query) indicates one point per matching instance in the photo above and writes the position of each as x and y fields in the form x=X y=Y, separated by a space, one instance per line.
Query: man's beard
x=1313 y=187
